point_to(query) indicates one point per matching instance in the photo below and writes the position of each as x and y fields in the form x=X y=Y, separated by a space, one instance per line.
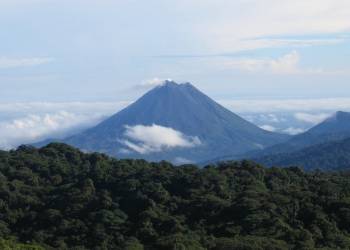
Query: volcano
x=177 y=123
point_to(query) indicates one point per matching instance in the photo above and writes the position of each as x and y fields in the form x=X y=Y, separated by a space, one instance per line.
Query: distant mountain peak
x=170 y=89
x=171 y=83
x=174 y=114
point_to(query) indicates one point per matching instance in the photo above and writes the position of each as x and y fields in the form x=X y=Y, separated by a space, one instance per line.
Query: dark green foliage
x=61 y=198
x=13 y=245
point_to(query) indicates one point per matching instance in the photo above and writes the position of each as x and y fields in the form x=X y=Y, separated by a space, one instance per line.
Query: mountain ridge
x=334 y=128
x=329 y=156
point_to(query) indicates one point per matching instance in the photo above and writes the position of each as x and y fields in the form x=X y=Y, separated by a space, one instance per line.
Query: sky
x=68 y=64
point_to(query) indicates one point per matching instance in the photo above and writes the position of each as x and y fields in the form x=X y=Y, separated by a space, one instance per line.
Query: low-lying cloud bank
x=155 y=138
x=312 y=118
x=32 y=128
x=28 y=122
x=22 y=122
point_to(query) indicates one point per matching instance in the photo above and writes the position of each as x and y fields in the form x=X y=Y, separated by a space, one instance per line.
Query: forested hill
x=60 y=198
x=330 y=156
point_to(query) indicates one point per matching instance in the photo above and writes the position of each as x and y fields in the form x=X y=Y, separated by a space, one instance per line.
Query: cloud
x=268 y=128
x=266 y=43
x=23 y=108
x=270 y=118
x=6 y=63
x=27 y=122
x=32 y=128
x=260 y=43
x=270 y=18
x=148 y=139
x=152 y=83
x=311 y=118
x=287 y=64
x=287 y=105
x=293 y=131
x=181 y=161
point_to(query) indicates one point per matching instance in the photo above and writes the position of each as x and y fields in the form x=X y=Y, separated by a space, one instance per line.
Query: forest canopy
x=58 y=197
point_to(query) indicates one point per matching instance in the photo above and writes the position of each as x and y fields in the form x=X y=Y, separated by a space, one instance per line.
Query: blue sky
x=113 y=51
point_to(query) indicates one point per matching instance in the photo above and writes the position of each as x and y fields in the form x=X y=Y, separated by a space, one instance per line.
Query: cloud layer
x=293 y=130
x=32 y=128
x=29 y=122
x=6 y=63
x=312 y=118
x=155 y=138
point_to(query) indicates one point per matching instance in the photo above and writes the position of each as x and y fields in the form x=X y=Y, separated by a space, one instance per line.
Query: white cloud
x=181 y=161
x=152 y=83
x=286 y=64
x=296 y=43
x=273 y=118
x=102 y=108
x=32 y=128
x=287 y=105
x=27 y=122
x=293 y=131
x=246 y=44
x=270 y=118
x=6 y=62
x=147 y=139
x=268 y=128
x=269 y=18
x=311 y=118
